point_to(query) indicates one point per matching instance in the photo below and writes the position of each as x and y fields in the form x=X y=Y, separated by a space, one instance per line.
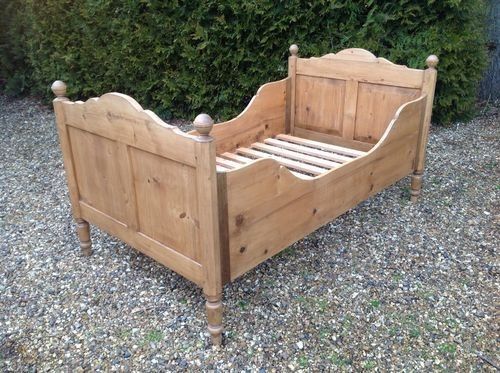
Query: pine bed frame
x=214 y=203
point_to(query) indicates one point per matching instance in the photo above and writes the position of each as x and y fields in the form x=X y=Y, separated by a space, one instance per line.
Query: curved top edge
x=250 y=105
x=394 y=121
x=359 y=54
x=114 y=101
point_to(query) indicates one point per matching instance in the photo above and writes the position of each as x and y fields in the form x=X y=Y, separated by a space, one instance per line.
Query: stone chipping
x=388 y=286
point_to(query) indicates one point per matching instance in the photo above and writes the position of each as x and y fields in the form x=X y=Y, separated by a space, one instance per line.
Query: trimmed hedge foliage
x=183 y=57
x=14 y=66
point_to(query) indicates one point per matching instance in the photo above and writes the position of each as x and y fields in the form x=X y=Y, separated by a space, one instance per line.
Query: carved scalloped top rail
x=358 y=54
x=119 y=117
x=118 y=105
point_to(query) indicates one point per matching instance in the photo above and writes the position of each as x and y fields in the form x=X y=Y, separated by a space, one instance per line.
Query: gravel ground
x=388 y=286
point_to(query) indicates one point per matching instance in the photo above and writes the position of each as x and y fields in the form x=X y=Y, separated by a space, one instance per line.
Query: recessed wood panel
x=166 y=194
x=319 y=104
x=101 y=173
x=376 y=106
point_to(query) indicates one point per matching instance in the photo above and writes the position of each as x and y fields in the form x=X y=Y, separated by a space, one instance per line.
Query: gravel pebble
x=388 y=286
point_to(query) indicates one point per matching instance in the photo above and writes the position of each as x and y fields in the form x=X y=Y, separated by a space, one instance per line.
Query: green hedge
x=182 y=57
x=15 y=69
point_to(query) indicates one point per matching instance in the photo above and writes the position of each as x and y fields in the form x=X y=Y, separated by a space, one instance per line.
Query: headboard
x=350 y=96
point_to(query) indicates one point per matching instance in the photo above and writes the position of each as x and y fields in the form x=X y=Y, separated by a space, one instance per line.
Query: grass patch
x=491 y=165
x=322 y=305
x=393 y=331
x=302 y=299
x=324 y=333
x=415 y=332
x=447 y=348
x=339 y=361
x=405 y=193
x=397 y=277
x=452 y=323
x=303 y=361
x=346 y=325
x=369 y=364
x=154 y=336
x=242 y=304
x=287 y=252
x=125 y=333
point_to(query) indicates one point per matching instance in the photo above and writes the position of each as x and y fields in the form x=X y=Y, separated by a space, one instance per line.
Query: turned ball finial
x=294 y=49
x=203 y=124
x=432 y=61
x=59 y=88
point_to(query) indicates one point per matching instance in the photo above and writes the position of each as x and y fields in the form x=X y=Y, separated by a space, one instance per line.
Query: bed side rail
x=269 y=208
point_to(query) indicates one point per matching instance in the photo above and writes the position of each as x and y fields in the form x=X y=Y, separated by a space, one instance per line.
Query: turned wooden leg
x=214 y=316
x=416 y=185
x=83 y=230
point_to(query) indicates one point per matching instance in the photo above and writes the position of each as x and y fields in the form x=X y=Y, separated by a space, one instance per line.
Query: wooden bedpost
x=428 y=87
x=209 y=225
x=82 y=226
x=290 y=100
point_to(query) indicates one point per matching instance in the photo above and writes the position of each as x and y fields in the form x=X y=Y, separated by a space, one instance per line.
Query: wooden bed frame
x=214 y=203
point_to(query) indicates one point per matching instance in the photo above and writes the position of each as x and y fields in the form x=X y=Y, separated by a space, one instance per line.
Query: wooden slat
x=326 y=138
x=245 y=160
x=285 y=162
x=294 y=155
x=237 y=158
x=221 y=168
x=306 y=150
x=227 y=163
x=300 y=175
x=320 y=145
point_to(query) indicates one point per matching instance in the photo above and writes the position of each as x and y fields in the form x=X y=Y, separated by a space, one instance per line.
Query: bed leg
x=214 y=316
x=83 y=230
x=416 y=185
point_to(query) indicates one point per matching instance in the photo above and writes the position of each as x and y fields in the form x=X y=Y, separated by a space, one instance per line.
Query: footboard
x=141 y=180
